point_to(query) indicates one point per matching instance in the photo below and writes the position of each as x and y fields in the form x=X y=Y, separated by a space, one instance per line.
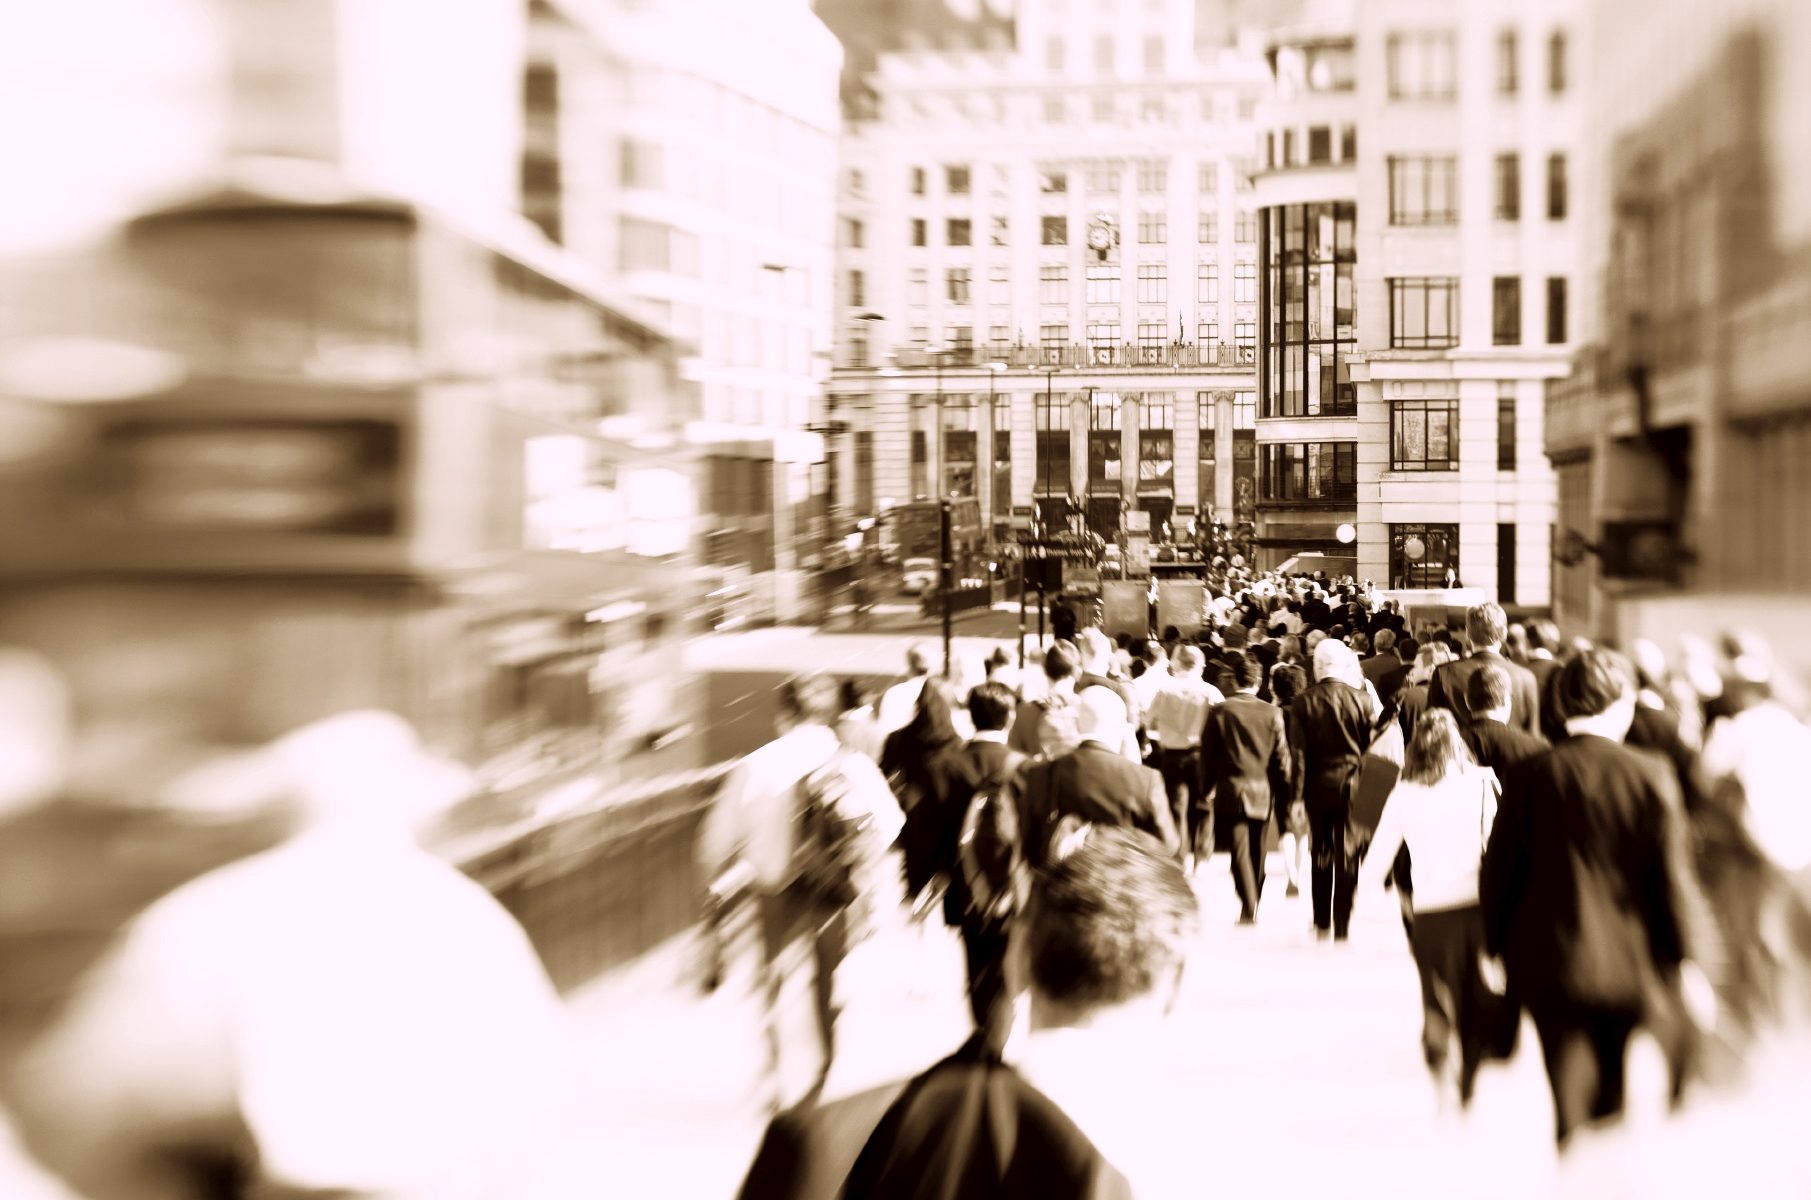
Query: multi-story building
x=1048 y=274
x=1418 y=250
x=1681 y=440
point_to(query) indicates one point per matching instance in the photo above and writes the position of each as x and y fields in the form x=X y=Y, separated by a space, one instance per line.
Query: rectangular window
x=1423 y=191
x=853 y=233
x=1241 y=174
x=1421 y=65
x=1056 y=231
x=1310 y=472
x=1507 y=53
x=1053 y=338
x=1309 y=258
x=1245 y=228
x=1151 y=337
x=1245 y=283
x=1053 y=285
x=1103 y=179
x=1506 y=426
x=1556 y=310
x=1153 y=176
x=1204 y=409
x=1245 y=340
x=918 y=231
x=1053 y=183
x=1509 y=187
x=999 y=286
x=1556 y=62
x=1153 y=228
x=999 y=335
x=1153 y=283
x=1288 y=156
x=1424 y=435
x=1320 y=144
x=1000 y=231
x=1103 y=283
x=1556 y=187
x=955 y=180
x=1505 y=564
x=1103 y=342
x=858 y=290
x=1506 y=310
x=962 y=339
x=1424 y=313
x=1207 y=180
x=1207 y=228
x=1348 y=143
x=917 y=181
x=1207 y=283
x=1207 y=333
x=921 y=335
x=956 y=231
x=1421 y=555
x=956 y=281
x=917 y=287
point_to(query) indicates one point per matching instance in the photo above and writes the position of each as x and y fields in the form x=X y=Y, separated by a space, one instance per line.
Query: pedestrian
x=1580 y=890
x=919 y=762
x=1291 y=814
x=1383 y=662
x=856 y=728
x=1097 y=672
x=1441 y=811
x=1486 y=626
x=1049 y=725
x=1493 y=742
x=1245 y=767
x=1334 y=718
x=1178 y=713
x=1411 y=695
x=898 y=702
x=1095 y=784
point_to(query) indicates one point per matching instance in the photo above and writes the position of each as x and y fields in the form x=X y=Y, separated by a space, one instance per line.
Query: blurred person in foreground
x=1070 y=1112
x=1288 y=682
x=1582 y=891
x=920 y=763
x=1177 y=714
x=1486 y=626
x=1441 y=810
x=1094 y=784
x=856 y=726
x=1245 y=765
x=900 y=701
x=345 y=1014
x=1334 y=720
x=804 y=889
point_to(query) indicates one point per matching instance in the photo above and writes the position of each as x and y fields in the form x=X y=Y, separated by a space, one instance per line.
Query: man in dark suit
x=1334 y=723
x=1486 y=626
x=1096 y=784
x=1493 y=741
x=1245 y=766
x=1581 y=888
x=1383 y=662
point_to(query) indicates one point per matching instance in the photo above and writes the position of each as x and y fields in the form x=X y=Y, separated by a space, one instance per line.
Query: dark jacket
x=973 y=766
x=1245 y=755
x=1447 y=689
x=1379 y=667
x=1098 y=786
x=1335 y=724
x=919 y=760
x=1501 y=747
x=1578 y=886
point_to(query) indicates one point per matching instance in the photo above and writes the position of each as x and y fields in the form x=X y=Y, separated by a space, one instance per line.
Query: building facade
x=1047 y=288
x=1418 y=249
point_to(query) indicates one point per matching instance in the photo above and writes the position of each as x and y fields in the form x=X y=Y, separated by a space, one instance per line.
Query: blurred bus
x=917 y=538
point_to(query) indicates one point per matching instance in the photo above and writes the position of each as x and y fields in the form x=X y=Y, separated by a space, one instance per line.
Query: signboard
x=1125 y=608
x=1181 y=602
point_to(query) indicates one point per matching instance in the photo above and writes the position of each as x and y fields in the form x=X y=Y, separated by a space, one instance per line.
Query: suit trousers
x=788 y=918
x=986 y=947
x=1335 y=875
x=1190 y=803
x=1248 y=862
x=1585 y=1049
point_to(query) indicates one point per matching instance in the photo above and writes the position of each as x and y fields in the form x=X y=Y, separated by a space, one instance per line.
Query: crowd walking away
x=1591 y=845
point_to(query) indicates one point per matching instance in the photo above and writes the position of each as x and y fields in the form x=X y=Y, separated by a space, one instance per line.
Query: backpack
x=827 y=840
x=990 y=850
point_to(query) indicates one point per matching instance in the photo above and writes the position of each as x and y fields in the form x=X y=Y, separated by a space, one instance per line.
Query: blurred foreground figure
x=344 y=1014
x=1069 y=1112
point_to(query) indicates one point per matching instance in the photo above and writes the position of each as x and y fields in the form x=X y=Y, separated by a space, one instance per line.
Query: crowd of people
x=1608 y=843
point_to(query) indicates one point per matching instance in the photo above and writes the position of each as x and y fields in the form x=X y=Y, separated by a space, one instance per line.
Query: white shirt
x=1765 y=748
x=897 y=704
x=1147 y=687
x=1180 y=711
x=1445 y=827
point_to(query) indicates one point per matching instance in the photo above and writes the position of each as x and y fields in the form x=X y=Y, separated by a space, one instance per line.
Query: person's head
x=1109 y=931
x=1247 y=673
x=1426 y=660
x=1486 y=625
x=1385 y=641
x=1515 y=643
x=1650 y=663
x=807 y=700
x=1190 y=662
x=1407 y=649
x=1290 y=647
x=1171 y=635
x=1061 y=662
x=1153 y=654
x=1595 y=693
x=1333 y=659
x=990 y=706
x=1434 y=748
x=918 y=660
x=1313 y=641
x=1103 y=717
x=998 y=661
x=1337 y=633
x=1360 y=643
x=1124 y=642
x=1097 y=651
x=1487 y=694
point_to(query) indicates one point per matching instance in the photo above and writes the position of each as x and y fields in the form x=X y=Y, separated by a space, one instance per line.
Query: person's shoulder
x=807 y=1151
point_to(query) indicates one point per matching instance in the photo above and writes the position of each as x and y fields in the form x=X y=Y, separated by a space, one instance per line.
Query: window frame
x=1407 y=171
x=1558 y=189
x=1434 y=55
x=951 y=172
x=1506 y=426
x=1328 y=475
x=1054 y=231
x=1506 y=310
x=1400 y=458
x=1401 y=289
x=958 y=285
x=1509 y=51
x=1557 y=316
x=1507 y=185
x=1153 y=283
x=1402 y=575
x=958 y=231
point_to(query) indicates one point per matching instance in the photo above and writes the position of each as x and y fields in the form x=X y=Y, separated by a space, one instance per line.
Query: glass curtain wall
x=1308 y=255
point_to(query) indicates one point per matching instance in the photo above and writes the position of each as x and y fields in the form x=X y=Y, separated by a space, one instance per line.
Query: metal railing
x=1173 y=355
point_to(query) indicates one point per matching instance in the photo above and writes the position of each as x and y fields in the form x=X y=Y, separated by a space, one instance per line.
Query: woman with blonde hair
x=1442 y=810
x=1411 y=698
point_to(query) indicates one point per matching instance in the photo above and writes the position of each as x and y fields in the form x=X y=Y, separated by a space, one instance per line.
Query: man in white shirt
x=1177 y=715
x=898 y=702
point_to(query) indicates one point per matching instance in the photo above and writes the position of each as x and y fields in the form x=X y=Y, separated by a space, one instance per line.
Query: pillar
x=1224 y=467
x=1130 y=408
x=1078 y=444
x=984 y=458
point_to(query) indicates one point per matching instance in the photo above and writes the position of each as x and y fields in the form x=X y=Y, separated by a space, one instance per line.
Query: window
x=1053 y=54
x=1153 y=228
x=1245 y=338
x=1050 y=416
x=962 y=338
x=1245 y=283
x=1103 y=283
x=1207 y=283
x=1424 y=435
x=1153 y=53
x=1153 y=176
x=955 y=180
x=1348 y=143
x=1241 y=174
x=1320 y=144
x=1056 y=231
x=956 y=231
x=1421 y=555
x=1556 y=62
x=955 y=281
x=1055 y=111
x=1103 y=341
x=1329 y=68
x=1310 y=472
x=921 y=474
x=1053 y=337
x=1000 y=231
x=1421 y=65
x=1509 y=187
x=1053 y=183
x=642 y=164
x=921 y=336
x=917 y=181
x=1245 y=228
x=1207 y=333
x=1053 y=285
x=1248 y=107
x=1556 y=310
x=1207 y=228
x=1002 y=455
x=1153 y=283
x=999 y=285
x=1151 y=337
x=1423 y=191
x=1556 y=187
x=918 y=231
x=917 y=287
x=1506 y=426
x=1309 y=257
x=858 y=291
x=1103 y=53
x=1424 y=313
x=1506 y=310
x=1207 y=179
x=1507 y=51
x=1103 y=179
x=1104 y=441
x=1506 y=564
x=853 y=233
x=1152 y=111
x=1288 y=158
x=960 y=446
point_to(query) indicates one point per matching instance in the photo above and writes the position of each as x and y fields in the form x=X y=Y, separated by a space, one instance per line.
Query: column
x=1224 y=466
x=984 y=459
x=1078 y=444
x=1185 y=435
x=933 y=445
x=1130 y=408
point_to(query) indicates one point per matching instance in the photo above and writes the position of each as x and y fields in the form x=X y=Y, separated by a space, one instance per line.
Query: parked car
x=919 y=575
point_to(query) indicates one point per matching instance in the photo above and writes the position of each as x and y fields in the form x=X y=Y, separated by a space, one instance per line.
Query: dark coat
x=1245 y=755
x=1579 y=885
x=1501 y=747
x=920 y=761
x=972 y=767
x=1098 y=786
x=1379 y=667
x=1447 y=689
x=1335 y=724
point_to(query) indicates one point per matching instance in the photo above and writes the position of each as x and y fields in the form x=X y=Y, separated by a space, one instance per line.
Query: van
x=1332 y=565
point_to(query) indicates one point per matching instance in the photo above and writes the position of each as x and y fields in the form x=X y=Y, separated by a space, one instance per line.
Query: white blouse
x=1446 y=827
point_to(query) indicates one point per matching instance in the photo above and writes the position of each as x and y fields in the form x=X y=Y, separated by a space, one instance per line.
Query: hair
x=1288 y=682
x=1486 y=625
x=1591 y=683
x=1247 y=672
x=1061 y=661
x=1544 y=635
x=998 y=659
x=1094 y=646
x=1152 y=653
x=1234 y=638
x=1361 y=642
x=1313 y=640
x=1488 y=688
x=1110 y=921
x=1407 y=649
x=1138 y=668
x=1385 y=639
x=1171 y=633
x=1123 y=641
x=1337 y=633
x=918 y=660
x=1434 y=748
x=1291 y=647
x=990 y=705
x=1515 y=642
x=810 y=699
